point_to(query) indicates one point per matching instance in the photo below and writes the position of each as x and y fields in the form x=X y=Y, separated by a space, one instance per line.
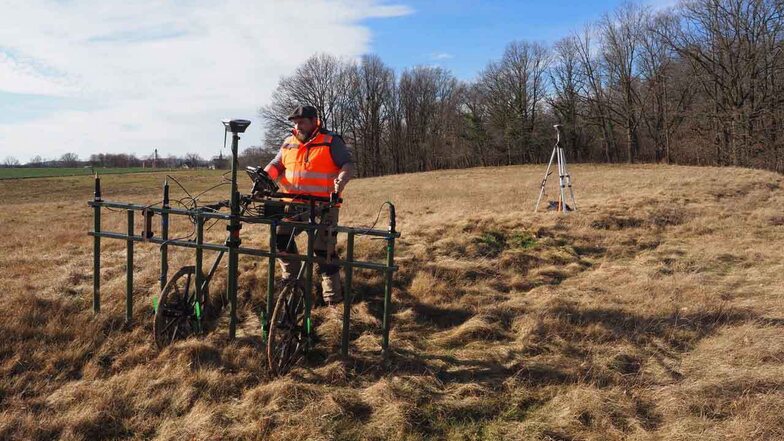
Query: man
x=312 y=161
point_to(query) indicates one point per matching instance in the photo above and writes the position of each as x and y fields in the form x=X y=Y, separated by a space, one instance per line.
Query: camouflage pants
x=323 y=246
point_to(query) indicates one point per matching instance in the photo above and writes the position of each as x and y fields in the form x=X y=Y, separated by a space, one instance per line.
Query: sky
x=129 y=77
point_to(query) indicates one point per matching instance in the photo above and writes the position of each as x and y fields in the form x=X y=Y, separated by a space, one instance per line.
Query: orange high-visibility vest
x=309 y=168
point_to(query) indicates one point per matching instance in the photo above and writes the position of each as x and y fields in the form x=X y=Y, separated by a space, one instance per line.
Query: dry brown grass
x=653 y=313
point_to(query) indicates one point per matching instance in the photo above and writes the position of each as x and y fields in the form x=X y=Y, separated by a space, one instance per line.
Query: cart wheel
x=286 y=342
x=178 y=313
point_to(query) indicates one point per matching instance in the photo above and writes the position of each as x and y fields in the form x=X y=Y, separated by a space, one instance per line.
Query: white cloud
x=657 y=5
x=442 y=56
x=161 y=74
x=24 y=76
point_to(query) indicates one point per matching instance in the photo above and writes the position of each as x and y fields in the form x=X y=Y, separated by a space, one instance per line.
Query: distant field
x=48 y=172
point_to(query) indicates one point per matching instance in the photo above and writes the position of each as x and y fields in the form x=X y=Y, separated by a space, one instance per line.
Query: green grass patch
x=495 y=241
x=492 y=242
x=523 y=240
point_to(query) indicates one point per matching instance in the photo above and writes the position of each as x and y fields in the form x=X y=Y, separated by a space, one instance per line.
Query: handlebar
x=332 y=199
x=246 y=199
x=265 y=186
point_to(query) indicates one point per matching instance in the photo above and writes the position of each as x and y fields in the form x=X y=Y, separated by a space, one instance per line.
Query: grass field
x=46 y=172
x=655 y=312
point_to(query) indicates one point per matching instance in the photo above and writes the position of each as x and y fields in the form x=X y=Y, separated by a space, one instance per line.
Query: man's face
x=304 y=127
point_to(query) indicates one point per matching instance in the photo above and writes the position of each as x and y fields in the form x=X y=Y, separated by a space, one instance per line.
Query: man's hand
x=339 y=185
x=343 y=177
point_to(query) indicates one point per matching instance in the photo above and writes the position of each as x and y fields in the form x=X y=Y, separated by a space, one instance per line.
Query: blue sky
x=89 y=76
x=464 y=35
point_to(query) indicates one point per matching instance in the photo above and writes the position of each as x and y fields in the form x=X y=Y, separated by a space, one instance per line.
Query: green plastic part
x=155 y=304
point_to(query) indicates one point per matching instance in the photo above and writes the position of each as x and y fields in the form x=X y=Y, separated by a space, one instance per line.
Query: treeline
x=123 y=160
x=190 y=160
x=702 y=83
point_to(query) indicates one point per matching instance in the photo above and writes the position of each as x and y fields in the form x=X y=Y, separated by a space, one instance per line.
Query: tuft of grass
x=492 y=242
x=523 y=240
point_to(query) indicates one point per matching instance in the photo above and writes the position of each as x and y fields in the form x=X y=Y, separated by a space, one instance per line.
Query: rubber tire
x=287 y=326
x=185 y=315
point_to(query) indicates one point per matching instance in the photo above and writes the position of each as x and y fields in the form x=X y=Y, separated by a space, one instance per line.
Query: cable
x=378 y=216
x=180 y=185
x=211 y=188
x=193 y=222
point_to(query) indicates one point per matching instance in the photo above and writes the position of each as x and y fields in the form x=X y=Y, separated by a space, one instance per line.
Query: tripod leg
x=561 y=180
x=571 y=191
x=569 y=184
x=544 y=181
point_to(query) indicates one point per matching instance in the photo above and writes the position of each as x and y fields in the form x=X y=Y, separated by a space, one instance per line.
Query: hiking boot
x=289 y=268
x=331 y=289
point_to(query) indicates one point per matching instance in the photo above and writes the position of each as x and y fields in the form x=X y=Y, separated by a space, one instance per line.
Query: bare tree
x=565 y=100
x=10 y=161
x=323 y=81
x=475 y=131
x=394 y=141
x=69 y=160
x=666 y=87
x=595 y=93
x=36 y=161
x=428 y=100
x=734 y=48
x=193 y=160
x=372 y=84
x=255 y=156
x=497 y=99
x=621 y=33
x=514 y=88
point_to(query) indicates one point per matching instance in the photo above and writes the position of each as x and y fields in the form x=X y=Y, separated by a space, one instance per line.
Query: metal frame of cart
x=233 y=249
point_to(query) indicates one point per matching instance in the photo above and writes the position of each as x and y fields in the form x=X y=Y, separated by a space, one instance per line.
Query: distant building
x=219 y=162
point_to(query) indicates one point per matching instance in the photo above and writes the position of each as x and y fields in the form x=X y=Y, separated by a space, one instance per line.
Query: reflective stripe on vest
x=290 y=175
x=309 y=167
x=315 y=190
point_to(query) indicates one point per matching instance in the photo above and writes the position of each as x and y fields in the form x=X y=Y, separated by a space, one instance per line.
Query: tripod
x=564 y=179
